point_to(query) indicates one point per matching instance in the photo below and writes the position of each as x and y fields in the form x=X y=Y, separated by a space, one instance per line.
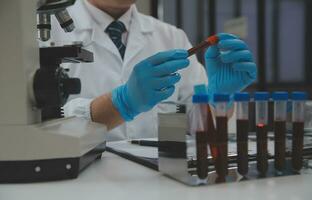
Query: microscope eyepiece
x=45 y=9
x=44 y=26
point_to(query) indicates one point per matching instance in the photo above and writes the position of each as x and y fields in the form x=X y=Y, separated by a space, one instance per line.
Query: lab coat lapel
x=86 y=24
x=137 y=35
x=102 y=39
x=136 y=43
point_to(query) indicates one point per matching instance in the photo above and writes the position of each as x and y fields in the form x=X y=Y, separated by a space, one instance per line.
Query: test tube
x=212 y=40
x=242 y=128
x=211 y=131
x=221 y=101
x=261 y=99
x=280 y=115
x=199 y=129
x=298 y=102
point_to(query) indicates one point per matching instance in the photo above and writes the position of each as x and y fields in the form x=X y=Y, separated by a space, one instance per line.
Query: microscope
x=36 y=142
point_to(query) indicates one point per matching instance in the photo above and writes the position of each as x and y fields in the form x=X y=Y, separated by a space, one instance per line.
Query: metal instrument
x=36 y=142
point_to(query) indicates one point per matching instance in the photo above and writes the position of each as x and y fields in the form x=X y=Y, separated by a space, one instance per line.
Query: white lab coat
x=147 y=36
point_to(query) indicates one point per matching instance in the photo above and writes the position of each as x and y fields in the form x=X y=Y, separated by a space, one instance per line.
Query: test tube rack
x=175 y=163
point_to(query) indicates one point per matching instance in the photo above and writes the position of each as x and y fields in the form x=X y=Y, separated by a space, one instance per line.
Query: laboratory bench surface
x=115 y=178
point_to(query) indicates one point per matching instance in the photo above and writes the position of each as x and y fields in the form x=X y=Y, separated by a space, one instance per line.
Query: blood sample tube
x=280 y=115
x=211 y=135
x=221 y=101
x=199 y=129
x=202 y=89
x=242 y=128
x=261 y=99
x=212 y=40
x=298 y=102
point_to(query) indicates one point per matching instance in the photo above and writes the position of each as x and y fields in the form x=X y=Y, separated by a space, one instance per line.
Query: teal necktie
x=115 y=31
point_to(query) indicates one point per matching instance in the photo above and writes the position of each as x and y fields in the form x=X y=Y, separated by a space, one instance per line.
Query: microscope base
x=47 y=170
x=53 y=150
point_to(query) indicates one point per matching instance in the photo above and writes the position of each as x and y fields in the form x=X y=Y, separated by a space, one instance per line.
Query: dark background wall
x=279 y=34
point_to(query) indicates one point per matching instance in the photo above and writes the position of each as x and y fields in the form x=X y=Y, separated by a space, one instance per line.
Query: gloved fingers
x=166 y=56
x=226 y=36
x=212 y=52
x=232 y=45
x=169 y=67
x=236 y=56
x=249 y=67
x=164 y=93
x=160 y=83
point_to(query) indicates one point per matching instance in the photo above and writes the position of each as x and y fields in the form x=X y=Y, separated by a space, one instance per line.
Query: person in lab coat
x=129 y=77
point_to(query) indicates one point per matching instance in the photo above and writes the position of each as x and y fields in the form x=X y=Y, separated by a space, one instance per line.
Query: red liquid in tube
x=262 y=149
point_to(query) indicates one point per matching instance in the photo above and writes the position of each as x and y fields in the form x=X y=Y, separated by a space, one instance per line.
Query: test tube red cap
x=212 y=40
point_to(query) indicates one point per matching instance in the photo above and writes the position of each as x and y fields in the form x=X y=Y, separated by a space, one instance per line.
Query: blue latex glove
x=150 y=82
x=230 y=66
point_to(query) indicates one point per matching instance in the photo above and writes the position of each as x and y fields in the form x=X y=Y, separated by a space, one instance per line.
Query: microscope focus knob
x=52 y=87
x=72 y=86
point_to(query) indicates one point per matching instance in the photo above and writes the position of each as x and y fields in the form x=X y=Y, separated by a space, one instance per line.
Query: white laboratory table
x=114 y=178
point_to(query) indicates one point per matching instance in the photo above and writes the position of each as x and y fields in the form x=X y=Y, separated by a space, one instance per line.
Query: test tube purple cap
x=262 y=96
x=221 y=97
x=280 y=96
x=299 y=96
x=241 y=96
x=200 y=98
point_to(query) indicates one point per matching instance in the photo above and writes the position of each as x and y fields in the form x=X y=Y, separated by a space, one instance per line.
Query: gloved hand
x=230 y=66
x=150 y=82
